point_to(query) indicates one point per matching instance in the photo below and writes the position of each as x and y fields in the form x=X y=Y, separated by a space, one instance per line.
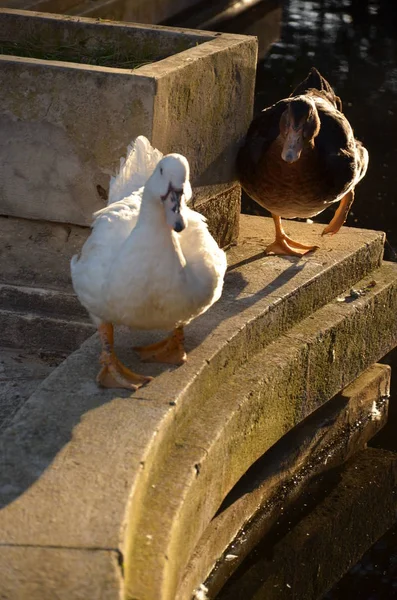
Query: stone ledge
x=42 y=302
x=221 y=206
x=265 y=398
x=76 y=457
x=325 y=439
x=37 y=253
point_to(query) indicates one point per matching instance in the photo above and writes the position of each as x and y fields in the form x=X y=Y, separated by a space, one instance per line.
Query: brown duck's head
x=299 y=125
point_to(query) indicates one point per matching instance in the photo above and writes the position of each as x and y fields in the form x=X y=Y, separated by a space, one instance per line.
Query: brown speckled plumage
x=329 y=166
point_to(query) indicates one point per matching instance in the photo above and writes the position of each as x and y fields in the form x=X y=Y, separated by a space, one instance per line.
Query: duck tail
x=135 y=169
x=315 y=81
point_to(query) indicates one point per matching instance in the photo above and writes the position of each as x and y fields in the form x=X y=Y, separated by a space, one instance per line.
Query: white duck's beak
x=173 y=205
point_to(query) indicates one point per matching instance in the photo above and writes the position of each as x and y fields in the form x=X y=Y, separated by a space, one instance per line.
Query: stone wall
x=64 y=125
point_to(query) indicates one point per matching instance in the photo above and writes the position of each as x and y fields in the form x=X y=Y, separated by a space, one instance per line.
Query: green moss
x=106 y=55
x=92 y=51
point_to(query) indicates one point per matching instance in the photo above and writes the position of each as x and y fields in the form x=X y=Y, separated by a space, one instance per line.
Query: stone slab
x=221 y=206
x=36 y=573
x=41 y=301
x=53 y=109
x=114 y=10
x=38 y=5
x=262 y=19
x=36 y=253
x=35 y=333
x=76 y=457
x=221 y=435
x=321 y=546
x=325 y=439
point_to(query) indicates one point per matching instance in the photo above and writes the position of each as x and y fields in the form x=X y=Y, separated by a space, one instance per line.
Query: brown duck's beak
x=293 y=145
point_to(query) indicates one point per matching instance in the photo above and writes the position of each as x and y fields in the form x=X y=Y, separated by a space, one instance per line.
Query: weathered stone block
x=64 y=125
x=221 y=436
x=220 y=204
x=327 y=438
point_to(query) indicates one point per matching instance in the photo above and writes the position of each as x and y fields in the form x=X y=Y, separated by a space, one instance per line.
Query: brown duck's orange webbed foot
x=170 y=350
x=285 y=245
x=340 y=215
x=113 y=373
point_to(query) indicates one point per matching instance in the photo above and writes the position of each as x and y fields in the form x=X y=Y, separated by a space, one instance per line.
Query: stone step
x=328 y=437
x=42 y=302
x=31 y=332
x=38 y=319
x=265 y=398
x=323 y=545
x=93 y=475
x=37 y=254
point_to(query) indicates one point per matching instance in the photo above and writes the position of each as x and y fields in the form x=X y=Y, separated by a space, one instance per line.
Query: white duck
x=150 y=261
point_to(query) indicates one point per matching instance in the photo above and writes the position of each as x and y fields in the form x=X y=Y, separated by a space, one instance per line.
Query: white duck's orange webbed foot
x=286 y=246
x=115 y=375
x=171 y=350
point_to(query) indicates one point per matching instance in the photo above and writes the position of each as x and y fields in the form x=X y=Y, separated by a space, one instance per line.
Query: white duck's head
x=170 y=183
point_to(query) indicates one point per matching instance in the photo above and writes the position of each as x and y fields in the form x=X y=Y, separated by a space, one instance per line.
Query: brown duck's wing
x=262 y=132
x=336 y=148
x=315 y=81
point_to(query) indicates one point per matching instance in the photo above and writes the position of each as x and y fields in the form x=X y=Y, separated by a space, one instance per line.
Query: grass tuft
x=106 y=55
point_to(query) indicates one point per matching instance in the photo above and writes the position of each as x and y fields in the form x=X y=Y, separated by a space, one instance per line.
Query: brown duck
x=300 y=156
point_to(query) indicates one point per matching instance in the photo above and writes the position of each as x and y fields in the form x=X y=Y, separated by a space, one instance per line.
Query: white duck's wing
x=135 y=169
x=206 y=263
x=91 y=268
x=196 y=241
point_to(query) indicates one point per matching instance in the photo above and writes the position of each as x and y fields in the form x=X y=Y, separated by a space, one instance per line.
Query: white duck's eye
x=161 y=170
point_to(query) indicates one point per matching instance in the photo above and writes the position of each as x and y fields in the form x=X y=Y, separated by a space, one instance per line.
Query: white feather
x=135 y=169
x=133 y=269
